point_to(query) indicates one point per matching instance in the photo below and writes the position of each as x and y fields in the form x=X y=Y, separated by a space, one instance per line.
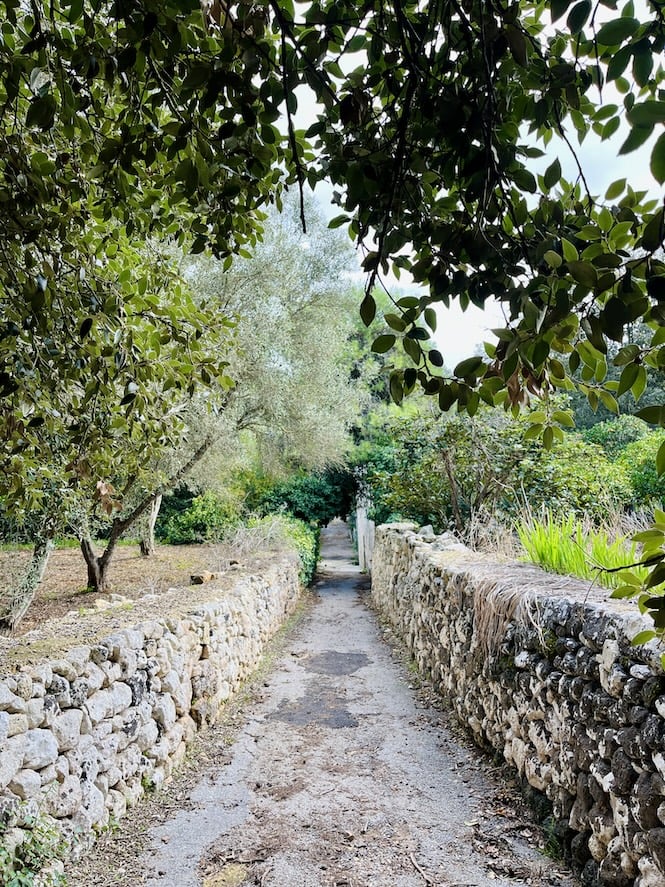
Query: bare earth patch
x=65 y=614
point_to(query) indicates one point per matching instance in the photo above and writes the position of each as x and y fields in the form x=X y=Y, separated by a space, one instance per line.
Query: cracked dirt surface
x=341 y=776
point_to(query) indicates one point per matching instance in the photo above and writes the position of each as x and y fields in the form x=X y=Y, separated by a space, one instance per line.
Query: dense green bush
x=310 y=497
x=615 y=434
x=638 y=460
x=574 y=477
x=187 y=519
x=447 y=471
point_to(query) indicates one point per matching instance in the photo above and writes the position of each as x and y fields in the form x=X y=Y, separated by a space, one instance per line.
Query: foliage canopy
x=124 y=119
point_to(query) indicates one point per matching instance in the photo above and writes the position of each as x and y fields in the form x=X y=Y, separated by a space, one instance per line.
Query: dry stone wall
x=83 y=736
x=541 y=669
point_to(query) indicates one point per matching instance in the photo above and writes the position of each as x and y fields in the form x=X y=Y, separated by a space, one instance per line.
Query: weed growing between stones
x=33 y=852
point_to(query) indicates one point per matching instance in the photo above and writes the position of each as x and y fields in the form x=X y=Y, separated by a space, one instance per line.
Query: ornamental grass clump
x=569 y=546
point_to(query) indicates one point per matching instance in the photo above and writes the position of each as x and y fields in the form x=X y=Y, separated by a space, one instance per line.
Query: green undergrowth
x=282 y=528
x=572 y=547
x=37 y=858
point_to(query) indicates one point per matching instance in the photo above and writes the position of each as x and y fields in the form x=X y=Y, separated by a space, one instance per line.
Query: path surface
x=340 y=778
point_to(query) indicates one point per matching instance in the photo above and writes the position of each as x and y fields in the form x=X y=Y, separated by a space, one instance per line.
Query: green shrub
x=310 y=497
x=572 y=548
x=207 y=518
x=574 y=477
x=494 y=471
x=303 y=537
x=38 y=859
x=638 y=460
x=615 y=434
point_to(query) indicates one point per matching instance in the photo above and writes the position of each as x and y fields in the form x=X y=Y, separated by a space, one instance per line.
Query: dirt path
x=340 y=777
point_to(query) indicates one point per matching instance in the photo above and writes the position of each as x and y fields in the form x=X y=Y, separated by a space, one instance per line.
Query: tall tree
x=68 y=440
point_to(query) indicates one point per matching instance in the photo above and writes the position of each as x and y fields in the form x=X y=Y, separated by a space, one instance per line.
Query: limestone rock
x=26 y=784
x=41 y=749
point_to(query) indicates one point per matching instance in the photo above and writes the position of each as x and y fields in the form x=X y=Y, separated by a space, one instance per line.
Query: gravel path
x=341 y=776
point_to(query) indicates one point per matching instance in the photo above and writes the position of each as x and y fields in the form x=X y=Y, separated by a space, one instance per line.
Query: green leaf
x=552 y=174
x=643 y=637
x=654 y=415
x=469 y=367
x=624 y=591
x=41 y=112
x=383 y=343
x=570 y=253
x=584 y=273
x=642 y=63
x=658 y=159
x=518 y=45
x=430 y=318
x=628 y=377
x=563 y=417
x=553 y=259
x=619 y=62
x=638 y=136
x=654 y=232
x=367 y=310
x=559 y=8
x=578 y=16
x=639 y=384
x=646 y=113
x=615 y=32
x=395 y=322
x=656 y=576
x=396 y=388
x=525 y=180
x=660 y=459
x=608 y=401
x=338 y=221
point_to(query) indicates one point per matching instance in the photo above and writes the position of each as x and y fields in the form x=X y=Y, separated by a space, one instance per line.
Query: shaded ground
x=338 y=775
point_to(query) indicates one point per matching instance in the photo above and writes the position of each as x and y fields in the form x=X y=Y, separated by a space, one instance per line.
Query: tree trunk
x=147 y=541
x=454 y=493
x=21 y=596
x=98 y=564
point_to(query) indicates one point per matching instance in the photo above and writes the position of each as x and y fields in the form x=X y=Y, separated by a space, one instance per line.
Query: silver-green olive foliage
x=138 y=117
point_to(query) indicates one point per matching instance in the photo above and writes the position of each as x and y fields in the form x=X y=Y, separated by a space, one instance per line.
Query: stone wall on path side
x=84 y=735
x=541 y=669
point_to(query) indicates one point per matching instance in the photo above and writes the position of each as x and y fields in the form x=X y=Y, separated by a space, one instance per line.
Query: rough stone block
x=26 y=784
x=40 y=750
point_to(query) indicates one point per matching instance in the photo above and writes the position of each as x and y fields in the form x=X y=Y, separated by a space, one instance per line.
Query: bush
x=207 y=518
x=309 y=497
x=638 y=460
x=493 y=469
x=283 y=529
x=574 y=477
x=615 y=434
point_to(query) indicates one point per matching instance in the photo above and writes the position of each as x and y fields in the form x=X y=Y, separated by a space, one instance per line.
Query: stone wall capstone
x=542 y=670
x=83 y=736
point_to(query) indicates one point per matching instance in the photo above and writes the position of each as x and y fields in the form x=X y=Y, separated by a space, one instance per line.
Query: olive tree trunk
x=98 y=564
x=147 y=540
x=19 y=598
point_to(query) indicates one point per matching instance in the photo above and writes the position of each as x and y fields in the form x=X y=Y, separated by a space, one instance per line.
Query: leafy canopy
x=127 y=118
